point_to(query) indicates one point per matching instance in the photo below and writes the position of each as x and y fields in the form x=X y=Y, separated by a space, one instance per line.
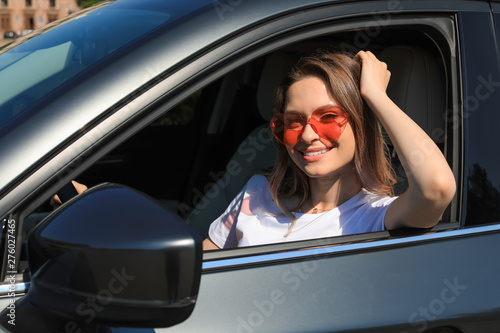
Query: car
x=162 y=109
x=9 y=35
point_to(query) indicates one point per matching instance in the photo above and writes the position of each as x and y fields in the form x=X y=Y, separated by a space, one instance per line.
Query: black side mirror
x=111 y=256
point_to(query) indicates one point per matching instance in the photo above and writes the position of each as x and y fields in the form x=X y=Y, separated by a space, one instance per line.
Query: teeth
x=315 y=153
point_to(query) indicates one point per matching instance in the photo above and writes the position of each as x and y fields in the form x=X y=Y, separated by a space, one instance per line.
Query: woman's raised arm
x=431 y=184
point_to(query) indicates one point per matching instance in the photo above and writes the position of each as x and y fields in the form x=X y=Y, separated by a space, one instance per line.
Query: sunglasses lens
x=277 y=127
x=291 y=137
x=287 y=128
x=330 y=132
x=294 y=125
x=328 y=124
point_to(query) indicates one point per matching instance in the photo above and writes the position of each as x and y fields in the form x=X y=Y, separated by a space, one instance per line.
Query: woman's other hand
x=55 y=201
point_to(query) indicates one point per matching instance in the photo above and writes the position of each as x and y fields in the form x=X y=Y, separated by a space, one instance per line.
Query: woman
x=340 y=182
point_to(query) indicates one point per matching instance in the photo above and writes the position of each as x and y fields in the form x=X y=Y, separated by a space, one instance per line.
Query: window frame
x=122 y=124
x=455 y=148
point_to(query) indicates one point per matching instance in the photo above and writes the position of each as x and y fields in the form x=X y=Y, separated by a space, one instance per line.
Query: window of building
x=28 y=3
x=30 y=22
x=5 y=3
x=5 y=22
x=52 y=3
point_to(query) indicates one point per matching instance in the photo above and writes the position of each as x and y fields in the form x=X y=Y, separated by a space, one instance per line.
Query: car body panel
x=446 y=278
x=340 y=296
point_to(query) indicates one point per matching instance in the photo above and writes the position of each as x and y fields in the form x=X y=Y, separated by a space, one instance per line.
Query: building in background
x=22 y=16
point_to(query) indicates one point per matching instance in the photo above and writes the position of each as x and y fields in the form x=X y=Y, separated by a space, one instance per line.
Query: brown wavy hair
x=341 y=72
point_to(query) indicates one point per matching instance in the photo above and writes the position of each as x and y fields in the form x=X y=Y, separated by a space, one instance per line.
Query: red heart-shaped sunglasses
x=327 y=123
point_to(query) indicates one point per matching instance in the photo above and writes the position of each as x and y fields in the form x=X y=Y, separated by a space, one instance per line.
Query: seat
x=254 y=153
x=418 y=87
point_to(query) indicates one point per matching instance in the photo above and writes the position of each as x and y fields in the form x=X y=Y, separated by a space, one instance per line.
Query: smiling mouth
x=315 y=153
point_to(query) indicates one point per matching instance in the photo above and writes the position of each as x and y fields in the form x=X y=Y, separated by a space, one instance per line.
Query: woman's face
x=316 y=156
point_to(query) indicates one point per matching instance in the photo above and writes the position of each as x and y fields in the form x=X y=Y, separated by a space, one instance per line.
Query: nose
x=309 y=134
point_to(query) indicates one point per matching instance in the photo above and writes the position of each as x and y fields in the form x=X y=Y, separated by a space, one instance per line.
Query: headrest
x=276 y=66
x=417 y=85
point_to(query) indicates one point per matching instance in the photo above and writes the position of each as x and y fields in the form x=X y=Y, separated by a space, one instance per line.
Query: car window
x=193 y=136
x=196 y=157
x=41 y=64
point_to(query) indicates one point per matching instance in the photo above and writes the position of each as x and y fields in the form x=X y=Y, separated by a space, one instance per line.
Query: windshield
x=41 y=64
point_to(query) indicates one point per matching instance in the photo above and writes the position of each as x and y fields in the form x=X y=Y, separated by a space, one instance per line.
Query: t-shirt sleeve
x=223 y=231
x=369 y=216
x=377 y=212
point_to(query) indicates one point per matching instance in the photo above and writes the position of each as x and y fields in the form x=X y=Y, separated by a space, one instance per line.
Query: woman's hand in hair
x=431 y=184
x=374 y=76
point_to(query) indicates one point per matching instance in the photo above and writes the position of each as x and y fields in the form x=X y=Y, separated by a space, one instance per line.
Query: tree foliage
x=87 y=3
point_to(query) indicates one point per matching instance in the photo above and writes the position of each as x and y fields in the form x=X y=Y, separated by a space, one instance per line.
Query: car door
x=439 y=280
x=443 y=280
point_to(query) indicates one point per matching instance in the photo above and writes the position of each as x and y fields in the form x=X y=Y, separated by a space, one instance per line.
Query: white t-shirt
x=253 y=218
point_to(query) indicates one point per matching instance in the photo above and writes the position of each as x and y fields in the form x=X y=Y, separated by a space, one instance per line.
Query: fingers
x=368 y=57
x=365 y=55
x=80 y=188
x=374 y=75
x=55 y=201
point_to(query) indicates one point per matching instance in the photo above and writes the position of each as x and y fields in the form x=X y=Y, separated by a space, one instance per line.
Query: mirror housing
x=113 y=256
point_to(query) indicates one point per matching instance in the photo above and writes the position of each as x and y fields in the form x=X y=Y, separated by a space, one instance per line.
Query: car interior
x=197 y=156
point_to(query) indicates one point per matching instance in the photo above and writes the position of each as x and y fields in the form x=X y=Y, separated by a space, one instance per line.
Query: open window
x=196 y=156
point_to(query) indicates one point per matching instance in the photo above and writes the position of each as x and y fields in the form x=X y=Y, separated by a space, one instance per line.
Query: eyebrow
x=321 y=108
x=326 y=107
